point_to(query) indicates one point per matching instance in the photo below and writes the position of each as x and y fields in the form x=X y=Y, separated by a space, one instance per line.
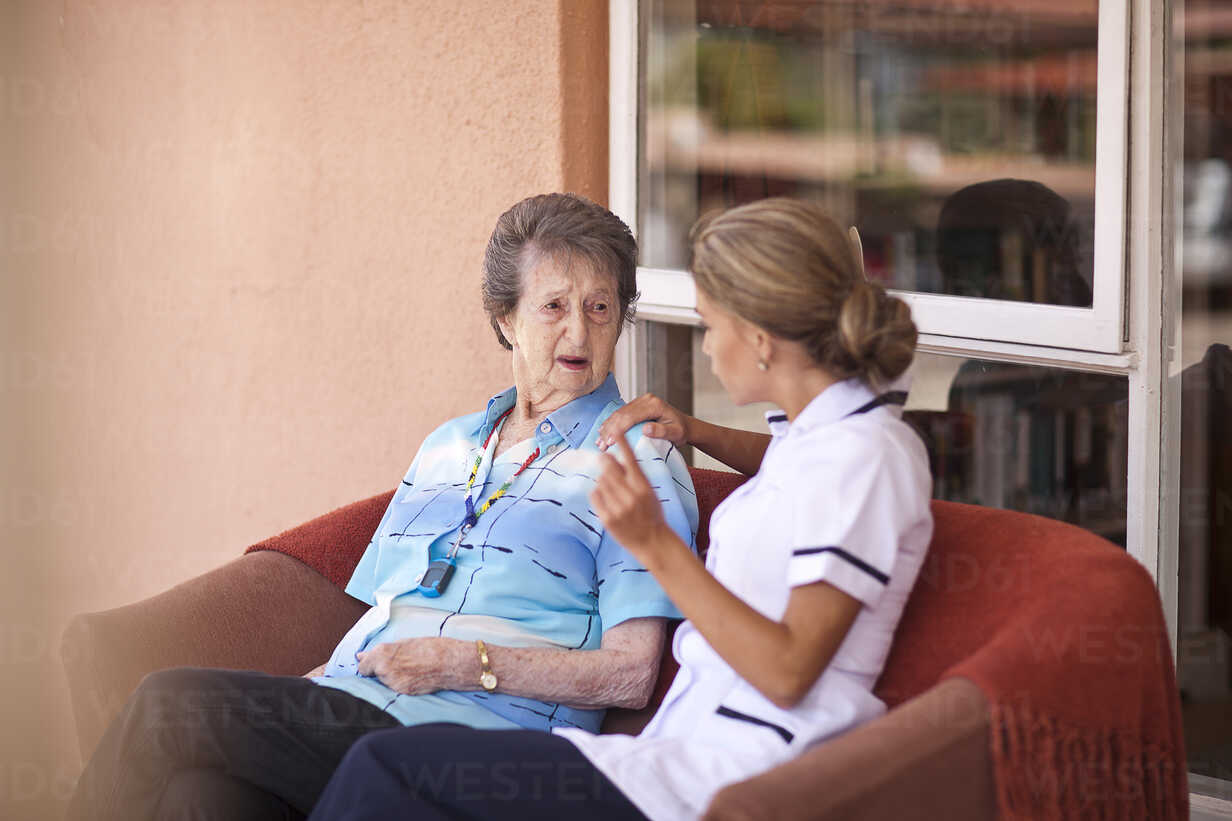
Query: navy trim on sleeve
x=783 y=732
x=843 y=554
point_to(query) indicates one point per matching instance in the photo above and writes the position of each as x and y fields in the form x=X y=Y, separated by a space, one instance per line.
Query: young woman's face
x=729 y=344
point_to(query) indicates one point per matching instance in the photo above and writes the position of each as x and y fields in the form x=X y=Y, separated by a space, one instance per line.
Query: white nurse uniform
x=842 y=496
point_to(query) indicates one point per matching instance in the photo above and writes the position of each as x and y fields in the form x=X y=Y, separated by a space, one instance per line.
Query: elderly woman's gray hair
x=548 y=225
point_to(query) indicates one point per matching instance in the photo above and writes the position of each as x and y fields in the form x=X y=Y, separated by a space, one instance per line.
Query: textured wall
x=240 y=246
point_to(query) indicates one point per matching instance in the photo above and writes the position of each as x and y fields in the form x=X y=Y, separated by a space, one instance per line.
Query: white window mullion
x=1144 y=262
x=623 y=62
x=1114 y=80
x=1153 y=479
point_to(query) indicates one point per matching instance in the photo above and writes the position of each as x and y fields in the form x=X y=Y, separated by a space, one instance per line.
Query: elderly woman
x=498 y=599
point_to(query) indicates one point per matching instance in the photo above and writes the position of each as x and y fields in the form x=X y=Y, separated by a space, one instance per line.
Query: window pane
x=1039 y=440
x=959 y=138
x=1205 y=371
x=1028 y=438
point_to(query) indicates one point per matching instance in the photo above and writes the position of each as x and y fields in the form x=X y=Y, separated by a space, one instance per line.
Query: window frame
x=1100 y=328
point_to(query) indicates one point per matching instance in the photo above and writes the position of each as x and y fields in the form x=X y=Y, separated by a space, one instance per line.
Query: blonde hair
x=788 y=268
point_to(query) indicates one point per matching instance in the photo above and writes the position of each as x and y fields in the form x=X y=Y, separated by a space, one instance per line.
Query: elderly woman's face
x=563 y=330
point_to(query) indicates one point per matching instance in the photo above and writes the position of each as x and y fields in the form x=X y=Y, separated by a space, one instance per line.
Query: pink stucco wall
x=240 y=246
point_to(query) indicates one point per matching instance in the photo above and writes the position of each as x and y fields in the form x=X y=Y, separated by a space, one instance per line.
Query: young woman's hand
x=629 y=507
x=662 y=422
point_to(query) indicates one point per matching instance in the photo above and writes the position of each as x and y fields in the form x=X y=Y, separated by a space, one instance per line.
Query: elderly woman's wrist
x=464 y=668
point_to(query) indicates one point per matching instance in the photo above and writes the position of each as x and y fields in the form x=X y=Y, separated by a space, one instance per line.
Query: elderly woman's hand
x=629 y=507
x=662 y=422
x=418 y=665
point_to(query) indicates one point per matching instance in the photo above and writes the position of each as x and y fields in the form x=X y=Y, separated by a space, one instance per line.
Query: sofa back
x=985 y=568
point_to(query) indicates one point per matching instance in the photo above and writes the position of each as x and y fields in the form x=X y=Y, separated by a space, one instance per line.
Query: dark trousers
x=445 y=771
x=221 y=744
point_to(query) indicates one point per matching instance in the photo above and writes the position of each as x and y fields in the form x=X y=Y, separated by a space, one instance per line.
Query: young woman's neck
x=794 y=389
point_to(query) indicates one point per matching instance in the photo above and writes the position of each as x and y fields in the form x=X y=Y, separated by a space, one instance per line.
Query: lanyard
x=472 y=515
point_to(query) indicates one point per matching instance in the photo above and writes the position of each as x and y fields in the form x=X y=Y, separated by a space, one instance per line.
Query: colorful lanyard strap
x=472 y=515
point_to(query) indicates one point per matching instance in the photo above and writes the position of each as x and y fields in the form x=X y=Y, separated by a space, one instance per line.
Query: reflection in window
x=897 y=117
x=1203 y=366
x=1034 y=439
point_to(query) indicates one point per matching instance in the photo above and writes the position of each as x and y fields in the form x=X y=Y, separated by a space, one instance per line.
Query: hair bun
x=876 y=331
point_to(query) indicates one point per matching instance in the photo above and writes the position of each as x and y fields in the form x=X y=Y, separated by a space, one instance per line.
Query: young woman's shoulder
x=850 y=469
x=856 y=496
x=884 y=443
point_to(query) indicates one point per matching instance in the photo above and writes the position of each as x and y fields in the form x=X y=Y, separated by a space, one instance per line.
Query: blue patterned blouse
x=537 y=570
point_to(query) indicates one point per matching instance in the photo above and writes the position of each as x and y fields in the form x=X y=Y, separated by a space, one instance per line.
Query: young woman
x=810 y=561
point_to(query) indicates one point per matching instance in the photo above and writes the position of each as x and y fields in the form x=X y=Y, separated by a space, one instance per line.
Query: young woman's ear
x=759 y=341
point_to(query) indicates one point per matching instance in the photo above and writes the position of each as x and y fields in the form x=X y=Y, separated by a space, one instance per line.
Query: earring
x=762 y=366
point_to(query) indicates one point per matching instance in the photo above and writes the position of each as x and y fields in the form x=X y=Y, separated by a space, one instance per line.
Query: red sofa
x=987 y=638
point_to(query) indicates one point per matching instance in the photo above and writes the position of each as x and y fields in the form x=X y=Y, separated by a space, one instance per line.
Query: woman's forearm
x=780 y=659
x=741 y=450
x=621 y=673
x=577 y=678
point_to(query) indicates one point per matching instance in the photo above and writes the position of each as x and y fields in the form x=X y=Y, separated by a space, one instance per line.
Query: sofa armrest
x=926 y=759
x=264 y=611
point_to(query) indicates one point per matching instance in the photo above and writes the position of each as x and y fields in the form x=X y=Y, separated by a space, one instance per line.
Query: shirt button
x=546 y=427
x=552 y=449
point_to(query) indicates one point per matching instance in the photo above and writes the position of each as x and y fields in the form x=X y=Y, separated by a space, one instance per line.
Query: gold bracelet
x=487 y=679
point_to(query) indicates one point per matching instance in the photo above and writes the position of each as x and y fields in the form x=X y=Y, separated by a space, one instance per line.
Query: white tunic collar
x=835 y=402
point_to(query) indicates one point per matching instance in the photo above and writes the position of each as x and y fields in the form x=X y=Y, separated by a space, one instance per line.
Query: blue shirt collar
x=571 y=422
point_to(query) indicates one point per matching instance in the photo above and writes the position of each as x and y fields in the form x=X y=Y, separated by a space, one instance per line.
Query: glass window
x=1204 y=368
x=960 y=138
x=1035 y=439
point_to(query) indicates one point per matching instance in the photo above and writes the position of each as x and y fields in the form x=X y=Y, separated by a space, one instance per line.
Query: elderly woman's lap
x=211 y=795
x=441 y=771
x=278 y=735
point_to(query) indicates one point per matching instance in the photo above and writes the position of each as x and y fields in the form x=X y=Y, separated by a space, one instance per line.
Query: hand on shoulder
x=662 y=422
